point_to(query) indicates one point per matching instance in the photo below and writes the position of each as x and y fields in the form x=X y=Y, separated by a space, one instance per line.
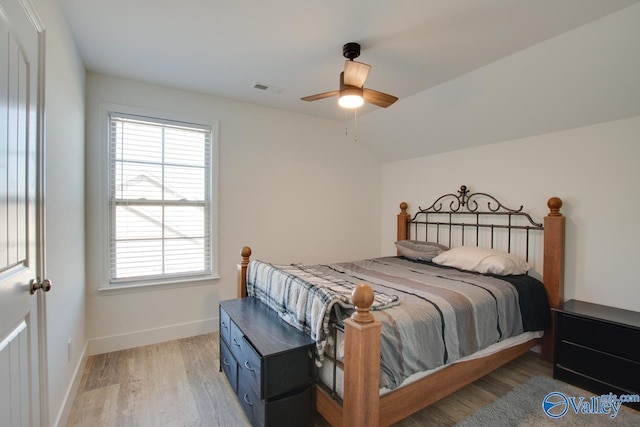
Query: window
x=160 y=199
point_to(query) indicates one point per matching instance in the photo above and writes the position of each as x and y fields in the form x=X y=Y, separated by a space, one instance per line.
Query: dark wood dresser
x=268 y=363
x=597 y=348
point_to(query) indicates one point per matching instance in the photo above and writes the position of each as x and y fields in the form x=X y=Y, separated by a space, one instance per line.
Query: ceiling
x=222 y=47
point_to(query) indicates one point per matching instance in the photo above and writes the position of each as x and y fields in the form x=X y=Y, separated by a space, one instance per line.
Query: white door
x=20 y=33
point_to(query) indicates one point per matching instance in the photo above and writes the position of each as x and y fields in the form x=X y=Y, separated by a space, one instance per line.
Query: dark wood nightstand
x=269 y=364
x=597 y=348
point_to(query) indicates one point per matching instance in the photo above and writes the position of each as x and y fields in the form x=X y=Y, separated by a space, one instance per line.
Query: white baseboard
x=151 y=336
x=65 y=410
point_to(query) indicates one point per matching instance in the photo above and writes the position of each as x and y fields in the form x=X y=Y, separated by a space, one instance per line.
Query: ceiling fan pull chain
x=355 y=125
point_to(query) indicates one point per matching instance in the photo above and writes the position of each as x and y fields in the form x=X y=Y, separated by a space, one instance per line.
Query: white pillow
x=482 y=260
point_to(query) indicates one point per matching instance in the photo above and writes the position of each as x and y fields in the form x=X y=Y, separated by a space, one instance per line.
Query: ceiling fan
x=352 y=93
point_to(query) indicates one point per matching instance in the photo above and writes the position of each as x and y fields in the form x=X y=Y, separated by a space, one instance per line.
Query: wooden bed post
x=242 y=272
x=361 y=404
x=403 y=223
x=553 y=270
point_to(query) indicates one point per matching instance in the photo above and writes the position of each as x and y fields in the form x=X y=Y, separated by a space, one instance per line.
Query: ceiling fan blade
x=321 y=95
x=355 y=73
x=378 y=98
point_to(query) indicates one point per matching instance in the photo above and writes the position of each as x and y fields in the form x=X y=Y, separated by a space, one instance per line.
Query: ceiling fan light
x=351 y=98
x=351 y=101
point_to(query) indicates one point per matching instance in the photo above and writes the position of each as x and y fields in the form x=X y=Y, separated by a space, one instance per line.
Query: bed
x=459 y=220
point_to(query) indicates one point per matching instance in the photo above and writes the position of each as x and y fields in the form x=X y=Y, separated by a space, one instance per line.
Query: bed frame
x=362 y=404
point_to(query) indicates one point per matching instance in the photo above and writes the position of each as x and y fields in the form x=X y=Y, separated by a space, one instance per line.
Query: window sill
x=154 y=286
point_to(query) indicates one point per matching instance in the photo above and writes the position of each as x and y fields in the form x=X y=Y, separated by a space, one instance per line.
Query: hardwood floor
x=178 y=383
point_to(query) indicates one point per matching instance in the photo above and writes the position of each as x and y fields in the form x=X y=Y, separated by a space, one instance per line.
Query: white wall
x=64 y=181
x=594 y=169
x=293 y=187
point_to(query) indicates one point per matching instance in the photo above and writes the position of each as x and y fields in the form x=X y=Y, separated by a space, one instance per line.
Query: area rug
x=567 y=405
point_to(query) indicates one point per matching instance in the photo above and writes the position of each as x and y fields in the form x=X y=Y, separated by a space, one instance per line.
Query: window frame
x=168 y=280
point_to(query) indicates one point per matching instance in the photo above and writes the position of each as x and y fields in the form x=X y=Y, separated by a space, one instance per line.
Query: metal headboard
x=461 y=217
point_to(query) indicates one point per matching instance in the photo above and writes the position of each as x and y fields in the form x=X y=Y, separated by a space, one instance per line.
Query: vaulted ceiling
x=223 y=47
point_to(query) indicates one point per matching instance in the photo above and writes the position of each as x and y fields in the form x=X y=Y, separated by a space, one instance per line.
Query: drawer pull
x=235 y=342
x=245 y=397
x=246 y=365
x=224 y=325
x=225 y=362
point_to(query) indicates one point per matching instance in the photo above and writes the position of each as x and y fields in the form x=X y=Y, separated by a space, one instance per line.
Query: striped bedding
x=430 y=315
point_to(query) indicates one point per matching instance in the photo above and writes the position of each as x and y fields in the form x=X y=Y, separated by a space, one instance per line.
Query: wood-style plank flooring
x=177 y=383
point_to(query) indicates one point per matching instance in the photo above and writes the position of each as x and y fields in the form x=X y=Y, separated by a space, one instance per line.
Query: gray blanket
x=430 y=315
x=305 y=296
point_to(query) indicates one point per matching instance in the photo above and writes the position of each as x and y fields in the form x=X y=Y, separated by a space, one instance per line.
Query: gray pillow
x=419 y=251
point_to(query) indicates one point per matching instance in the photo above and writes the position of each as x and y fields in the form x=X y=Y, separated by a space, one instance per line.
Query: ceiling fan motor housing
x=351 y=50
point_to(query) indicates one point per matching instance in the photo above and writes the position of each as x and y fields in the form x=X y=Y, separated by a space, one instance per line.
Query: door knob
x=36 y=284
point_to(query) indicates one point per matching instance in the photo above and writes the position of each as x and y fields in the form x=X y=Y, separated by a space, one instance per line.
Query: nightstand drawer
x=601 y=366
x=250 y=369
x=292 y=410
x=225 y=326
x=237 y=341
x=601 y=336
x=229 y=365
x=252 y=405
x=298 y=365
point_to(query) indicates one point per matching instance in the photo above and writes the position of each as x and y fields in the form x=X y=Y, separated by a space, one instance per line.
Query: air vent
x=267 y=87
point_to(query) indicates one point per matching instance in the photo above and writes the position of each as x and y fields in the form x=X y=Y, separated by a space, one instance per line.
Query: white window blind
x=160 y=198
